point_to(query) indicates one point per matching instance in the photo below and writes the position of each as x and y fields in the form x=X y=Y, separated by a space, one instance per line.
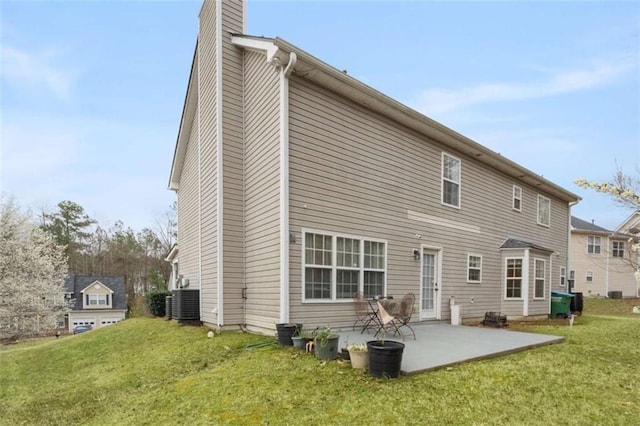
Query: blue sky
x=92 y=92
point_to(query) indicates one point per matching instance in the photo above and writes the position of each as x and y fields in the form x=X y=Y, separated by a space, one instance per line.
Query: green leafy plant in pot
x=301 y=338
x=325 y=343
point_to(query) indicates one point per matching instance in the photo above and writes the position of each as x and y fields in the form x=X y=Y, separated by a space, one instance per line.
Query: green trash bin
x=560 y=304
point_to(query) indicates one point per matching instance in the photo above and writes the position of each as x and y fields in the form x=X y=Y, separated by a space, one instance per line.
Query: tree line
x=91 y=249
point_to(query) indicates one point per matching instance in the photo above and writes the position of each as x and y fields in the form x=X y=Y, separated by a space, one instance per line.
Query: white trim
x=438 y=278
x=588 y=273
x=284 y=188
x=480 y=268
x=514 y=198
x=198 y=112
x=535 y=278
x=563 y=274
x=433 y=220
x=220 y=157
x=525 y=283
x=594 y=245
x=94 y=283
x=547 y=225
x=442 y=179
x=361 y=268
x=504 y=282
x=257 y=45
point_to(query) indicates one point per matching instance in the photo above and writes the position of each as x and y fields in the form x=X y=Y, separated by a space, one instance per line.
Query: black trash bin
x=576 y=303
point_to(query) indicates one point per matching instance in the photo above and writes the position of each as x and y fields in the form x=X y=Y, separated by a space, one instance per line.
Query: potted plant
x=325 y=343
x=301 y=338
x=359 y=356
x=285 y=331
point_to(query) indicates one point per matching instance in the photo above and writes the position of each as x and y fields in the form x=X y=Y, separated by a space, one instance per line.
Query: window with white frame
x=517 y=198
x=97 y=299
x=451 y=168
x=589 y=276
x=563 y=276
x=572 y=275
x=337 y=266
x=618 y=249
x=593 y=245
x=540 y=271
x=544 y=211
x=513 y=284
x=474 y=268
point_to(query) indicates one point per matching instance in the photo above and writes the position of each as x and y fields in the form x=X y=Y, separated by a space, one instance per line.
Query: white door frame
x=437 y=251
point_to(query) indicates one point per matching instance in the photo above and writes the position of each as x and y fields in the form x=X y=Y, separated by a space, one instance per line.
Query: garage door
x=107 y=321
x=91 y=322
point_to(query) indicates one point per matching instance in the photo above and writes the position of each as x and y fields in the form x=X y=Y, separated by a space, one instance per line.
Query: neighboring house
x=298 y=185
x=631 y=225
x=601 y=260
x=99 y=301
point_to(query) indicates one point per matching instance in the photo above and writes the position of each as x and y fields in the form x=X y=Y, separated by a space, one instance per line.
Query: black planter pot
x=285 y=332
x=385 y=358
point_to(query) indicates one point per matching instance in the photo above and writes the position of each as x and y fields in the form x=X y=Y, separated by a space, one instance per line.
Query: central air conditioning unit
x=185 y=304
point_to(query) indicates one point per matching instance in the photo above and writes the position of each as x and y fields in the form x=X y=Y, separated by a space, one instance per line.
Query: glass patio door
x=429 y=291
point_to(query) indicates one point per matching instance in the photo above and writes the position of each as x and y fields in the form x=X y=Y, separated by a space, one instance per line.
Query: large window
x=517 y=198
x=544 y=211
x=618 y=249
x=337 y=266
x=593 y=245
x=514 y=278
x=540 y=272
x=474 y=268
x=450 y=180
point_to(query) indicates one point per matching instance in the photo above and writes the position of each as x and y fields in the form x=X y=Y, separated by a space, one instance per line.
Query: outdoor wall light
x=416 y=254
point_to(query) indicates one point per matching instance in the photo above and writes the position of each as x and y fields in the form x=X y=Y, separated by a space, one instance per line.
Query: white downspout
x=525 y=283
x=284 y=187
x=606 y=279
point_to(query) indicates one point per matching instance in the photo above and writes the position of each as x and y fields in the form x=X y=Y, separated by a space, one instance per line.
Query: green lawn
x=151 y=371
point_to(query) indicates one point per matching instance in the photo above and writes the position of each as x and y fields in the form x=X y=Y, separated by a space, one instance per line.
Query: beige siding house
x=601 y=261
x=298 y=185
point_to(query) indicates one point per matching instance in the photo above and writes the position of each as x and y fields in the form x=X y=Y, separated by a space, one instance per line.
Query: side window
x=517 y=198
x=451 y=168
x=474 y=268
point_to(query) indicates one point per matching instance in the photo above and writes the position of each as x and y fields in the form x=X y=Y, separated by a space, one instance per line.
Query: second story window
x=593 y=245
x=618 y=249
x=544 y=211
x=450 y=180
x=517 y=198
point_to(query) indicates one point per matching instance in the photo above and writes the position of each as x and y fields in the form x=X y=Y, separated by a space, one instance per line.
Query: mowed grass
x=149 y=371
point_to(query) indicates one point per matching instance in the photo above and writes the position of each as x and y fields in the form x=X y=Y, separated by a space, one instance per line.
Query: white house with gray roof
x=298 y=185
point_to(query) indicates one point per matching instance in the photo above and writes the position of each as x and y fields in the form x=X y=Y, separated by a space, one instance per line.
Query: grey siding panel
x=355 y=172
x=188 y=210
x=262 y=191
x=209 y=159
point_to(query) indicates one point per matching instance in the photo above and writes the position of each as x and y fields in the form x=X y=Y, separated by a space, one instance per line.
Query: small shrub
x=156 y=302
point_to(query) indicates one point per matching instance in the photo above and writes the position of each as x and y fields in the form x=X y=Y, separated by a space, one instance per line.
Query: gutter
x=284 y=186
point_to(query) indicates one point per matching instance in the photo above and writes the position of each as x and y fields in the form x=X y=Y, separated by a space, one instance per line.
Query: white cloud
x=446 y=100
x=36 y=72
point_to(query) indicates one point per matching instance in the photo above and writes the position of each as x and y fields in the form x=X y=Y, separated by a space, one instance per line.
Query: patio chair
x=364 y=315
x=387 y=322
x=406 y=310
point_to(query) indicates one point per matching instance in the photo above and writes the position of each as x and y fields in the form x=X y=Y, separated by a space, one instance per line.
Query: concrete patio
x=439 y=344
